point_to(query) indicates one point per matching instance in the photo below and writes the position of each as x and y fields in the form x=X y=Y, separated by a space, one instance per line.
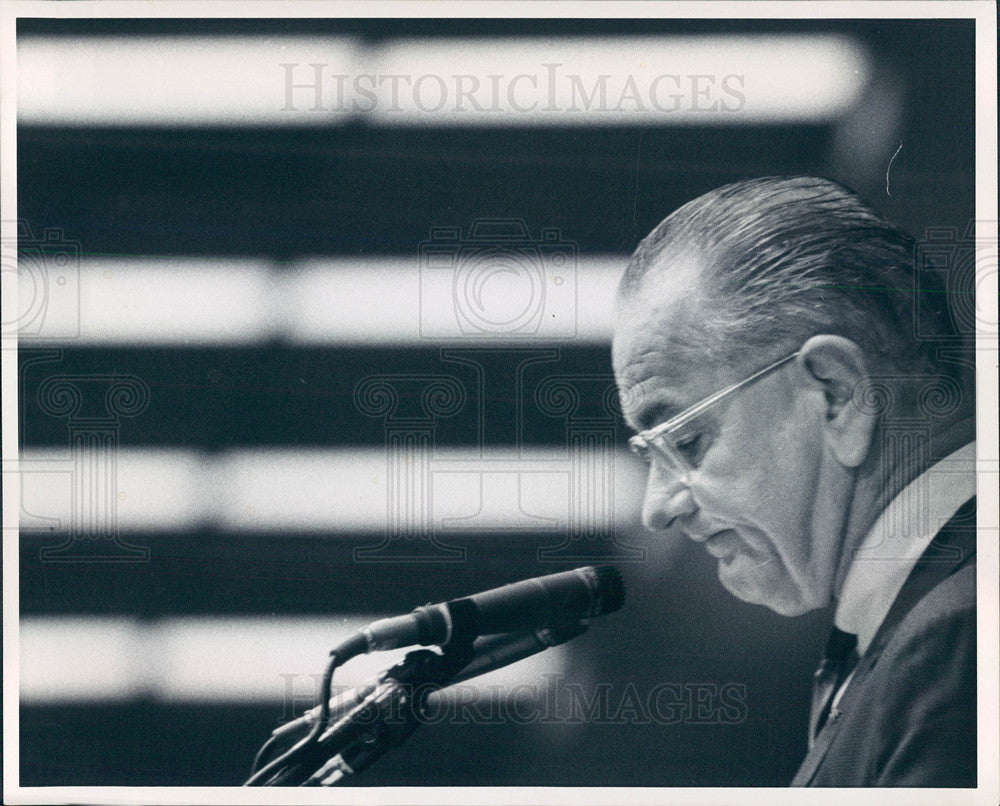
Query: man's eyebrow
x=655 y=414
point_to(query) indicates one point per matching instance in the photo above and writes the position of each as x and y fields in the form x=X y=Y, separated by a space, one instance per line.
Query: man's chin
x=756 y=582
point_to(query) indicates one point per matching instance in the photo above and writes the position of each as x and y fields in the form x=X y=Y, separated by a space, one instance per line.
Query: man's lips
x=723 y=545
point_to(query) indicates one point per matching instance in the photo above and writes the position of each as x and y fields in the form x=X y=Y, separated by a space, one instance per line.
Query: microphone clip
x=390 y=714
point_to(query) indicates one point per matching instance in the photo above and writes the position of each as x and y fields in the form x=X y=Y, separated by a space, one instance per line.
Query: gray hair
x=785 y=258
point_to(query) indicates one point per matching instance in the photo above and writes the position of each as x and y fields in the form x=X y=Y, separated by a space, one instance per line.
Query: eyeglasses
x=664 y=443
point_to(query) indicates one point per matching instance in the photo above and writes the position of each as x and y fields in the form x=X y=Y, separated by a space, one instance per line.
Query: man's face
x=761 y=499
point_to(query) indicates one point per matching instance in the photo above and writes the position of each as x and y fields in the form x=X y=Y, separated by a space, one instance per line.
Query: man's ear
x=839 y=366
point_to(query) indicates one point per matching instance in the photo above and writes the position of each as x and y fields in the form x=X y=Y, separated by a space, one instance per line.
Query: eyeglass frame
x=653 y=441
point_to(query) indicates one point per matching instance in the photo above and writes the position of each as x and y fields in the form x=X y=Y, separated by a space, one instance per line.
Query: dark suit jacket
x=908 y=716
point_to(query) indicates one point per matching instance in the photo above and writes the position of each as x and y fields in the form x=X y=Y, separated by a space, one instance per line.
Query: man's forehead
x=673 y=284
x=661 y=330
x=676 y=273
x=660 y=351
x=659 y=373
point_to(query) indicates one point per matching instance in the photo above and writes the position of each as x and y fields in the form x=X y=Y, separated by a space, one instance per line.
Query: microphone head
x=609 y=590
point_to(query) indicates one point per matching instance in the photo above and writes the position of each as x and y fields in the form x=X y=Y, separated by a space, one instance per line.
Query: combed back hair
x=785 y=258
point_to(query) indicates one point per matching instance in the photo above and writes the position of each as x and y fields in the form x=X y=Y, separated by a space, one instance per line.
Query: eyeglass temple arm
x=698 y=408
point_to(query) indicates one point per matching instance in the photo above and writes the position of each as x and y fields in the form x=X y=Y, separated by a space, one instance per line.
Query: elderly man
x=776 y=352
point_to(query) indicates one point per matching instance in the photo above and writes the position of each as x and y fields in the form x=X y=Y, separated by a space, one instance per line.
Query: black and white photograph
x=500 y=403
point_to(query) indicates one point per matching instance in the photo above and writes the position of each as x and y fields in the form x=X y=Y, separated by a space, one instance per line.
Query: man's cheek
x=724 y=495
x=739 y=454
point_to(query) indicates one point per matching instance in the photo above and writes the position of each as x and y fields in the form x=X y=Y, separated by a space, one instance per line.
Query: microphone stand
x=389 y=715
x=386 y=713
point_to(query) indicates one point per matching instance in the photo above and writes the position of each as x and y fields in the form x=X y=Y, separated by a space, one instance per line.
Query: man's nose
x=667 y=498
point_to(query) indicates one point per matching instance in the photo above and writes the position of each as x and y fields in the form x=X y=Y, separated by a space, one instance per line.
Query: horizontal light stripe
x=472 y=298
x=211 y=660
x=456 y=491
x=81 y=659
x=564 y=81
x=169 y=80
x=701 y=80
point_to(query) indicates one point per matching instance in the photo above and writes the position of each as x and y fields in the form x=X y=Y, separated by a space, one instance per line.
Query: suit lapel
x=952 y=547
x=815 y=756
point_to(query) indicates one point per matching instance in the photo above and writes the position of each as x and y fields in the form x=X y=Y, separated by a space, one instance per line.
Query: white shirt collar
x=884 y=559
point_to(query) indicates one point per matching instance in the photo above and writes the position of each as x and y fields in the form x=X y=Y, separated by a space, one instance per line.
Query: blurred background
x=263 y=400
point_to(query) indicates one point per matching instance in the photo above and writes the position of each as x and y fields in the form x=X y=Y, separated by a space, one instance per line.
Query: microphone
x=554 y=608
x=491 y=653
x=391 y=710
x=533 y=604
x=498 y=651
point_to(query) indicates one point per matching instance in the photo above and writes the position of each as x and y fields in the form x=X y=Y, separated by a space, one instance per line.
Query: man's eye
x=688 y=443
